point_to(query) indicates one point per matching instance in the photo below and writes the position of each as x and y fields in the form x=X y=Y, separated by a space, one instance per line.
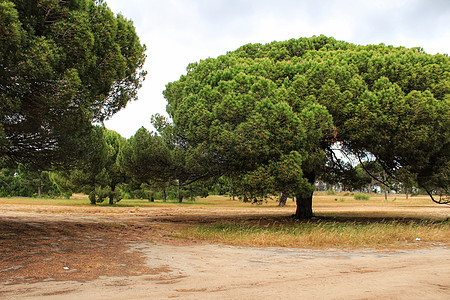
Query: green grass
x=360 y=196
x=330 y=192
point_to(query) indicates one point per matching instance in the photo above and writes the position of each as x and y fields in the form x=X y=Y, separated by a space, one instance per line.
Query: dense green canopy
x=253 y=107
x=146 y=157
x=63 y=65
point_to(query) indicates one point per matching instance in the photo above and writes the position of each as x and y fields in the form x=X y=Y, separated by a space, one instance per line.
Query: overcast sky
x=178 y=32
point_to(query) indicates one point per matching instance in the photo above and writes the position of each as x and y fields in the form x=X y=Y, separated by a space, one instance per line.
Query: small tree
x=116 y=175
x=90 y=175
x=147 y=158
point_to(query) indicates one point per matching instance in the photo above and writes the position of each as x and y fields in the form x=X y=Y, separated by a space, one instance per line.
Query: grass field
x=319 y=198
x=324 y=233
x=342 y=221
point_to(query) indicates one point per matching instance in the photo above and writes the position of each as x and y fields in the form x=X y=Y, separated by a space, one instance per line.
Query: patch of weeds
x=360 y=196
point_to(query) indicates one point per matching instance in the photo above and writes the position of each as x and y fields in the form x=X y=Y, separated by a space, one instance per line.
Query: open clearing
x=59 y=249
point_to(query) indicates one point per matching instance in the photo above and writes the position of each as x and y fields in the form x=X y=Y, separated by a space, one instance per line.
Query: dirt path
x=218 y=272
x=54 y=253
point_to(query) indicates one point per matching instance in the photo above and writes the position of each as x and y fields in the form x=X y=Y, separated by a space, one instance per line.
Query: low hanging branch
x=445 y=200
x=385 y=183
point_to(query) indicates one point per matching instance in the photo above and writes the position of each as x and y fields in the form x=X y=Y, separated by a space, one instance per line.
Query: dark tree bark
x=111 y=195
x=164 y=195
x=39 y=189
x=304 y=207
x=180 y=196
x=283 y=199
x=304 y=200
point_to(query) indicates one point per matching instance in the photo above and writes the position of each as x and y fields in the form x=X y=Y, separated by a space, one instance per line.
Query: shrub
x=360 y=196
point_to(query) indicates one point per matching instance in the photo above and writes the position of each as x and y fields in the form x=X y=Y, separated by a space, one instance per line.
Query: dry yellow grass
x=328 y=233
x=342 y=221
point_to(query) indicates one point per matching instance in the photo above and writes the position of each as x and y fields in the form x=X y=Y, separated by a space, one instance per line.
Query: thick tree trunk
x=111 y=195
x=164 y=195
x=92 y=195
x=304 y=200
x=283 y=199
x=304 y=207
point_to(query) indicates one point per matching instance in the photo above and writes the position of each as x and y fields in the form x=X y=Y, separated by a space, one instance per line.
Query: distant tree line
x=147 y=167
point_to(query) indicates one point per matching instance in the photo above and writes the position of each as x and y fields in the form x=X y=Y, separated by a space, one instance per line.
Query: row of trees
x=111 y=167
x=147 y=166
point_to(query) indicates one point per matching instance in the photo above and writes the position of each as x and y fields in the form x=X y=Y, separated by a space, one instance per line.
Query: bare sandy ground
x=218 y=272
x=72 y=253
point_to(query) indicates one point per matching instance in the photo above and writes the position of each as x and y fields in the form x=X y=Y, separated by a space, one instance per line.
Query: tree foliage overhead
x=63 y=65
x=250 y=108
